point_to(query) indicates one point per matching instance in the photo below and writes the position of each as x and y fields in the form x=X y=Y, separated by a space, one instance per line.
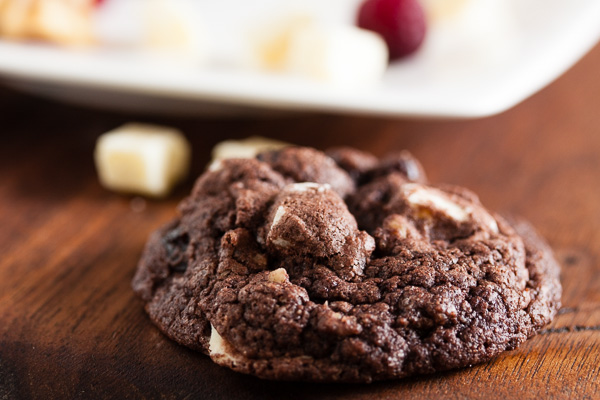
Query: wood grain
x=70 y=326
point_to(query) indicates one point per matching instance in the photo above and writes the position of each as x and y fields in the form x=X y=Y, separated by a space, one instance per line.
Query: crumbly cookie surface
x=301 y=265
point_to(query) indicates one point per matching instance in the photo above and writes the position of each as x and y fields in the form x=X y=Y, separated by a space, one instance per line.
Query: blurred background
x=499 y=96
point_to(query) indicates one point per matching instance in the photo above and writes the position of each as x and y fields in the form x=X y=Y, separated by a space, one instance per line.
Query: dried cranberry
x=401 y=23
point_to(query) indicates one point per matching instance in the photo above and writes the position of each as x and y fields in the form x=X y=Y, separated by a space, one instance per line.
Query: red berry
x=401 y=23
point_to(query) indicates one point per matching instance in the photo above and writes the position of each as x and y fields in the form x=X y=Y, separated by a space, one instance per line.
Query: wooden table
x=71 y=327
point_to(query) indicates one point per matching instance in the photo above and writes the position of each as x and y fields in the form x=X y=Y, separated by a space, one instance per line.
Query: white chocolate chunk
x=419 y=195
x=278 y=276
x=173 y=28
x=306 y=186
x=491 y=222
x=340 y=55
x=281 y=243
x=398 y=226
x=143 y=159
x=246 y=148
x=215 y=165
x=270 y=43
x=281 y=211
x=219 y=349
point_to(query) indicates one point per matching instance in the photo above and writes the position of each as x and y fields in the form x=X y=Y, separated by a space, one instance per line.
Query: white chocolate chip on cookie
x=422 y=196
x=278 y=276
x=246 y=148
x=219 y=349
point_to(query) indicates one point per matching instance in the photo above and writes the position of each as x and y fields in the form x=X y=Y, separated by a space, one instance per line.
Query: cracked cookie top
x=337 y=266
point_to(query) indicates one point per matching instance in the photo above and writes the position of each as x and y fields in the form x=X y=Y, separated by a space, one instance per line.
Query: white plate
x=486 y=60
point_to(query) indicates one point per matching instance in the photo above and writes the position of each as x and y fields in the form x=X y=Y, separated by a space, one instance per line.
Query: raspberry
x=401 y=23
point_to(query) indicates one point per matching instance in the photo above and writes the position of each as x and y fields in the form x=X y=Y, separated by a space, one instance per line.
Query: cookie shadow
x=245 y=387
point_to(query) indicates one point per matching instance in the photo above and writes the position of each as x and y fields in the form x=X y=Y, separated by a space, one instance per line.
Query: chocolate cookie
x=297 y=265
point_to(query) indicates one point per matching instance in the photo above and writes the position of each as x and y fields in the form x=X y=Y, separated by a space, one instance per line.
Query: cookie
x=302 y=265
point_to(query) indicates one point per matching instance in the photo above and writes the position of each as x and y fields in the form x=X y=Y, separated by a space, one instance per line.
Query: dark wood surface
x=70 y=326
